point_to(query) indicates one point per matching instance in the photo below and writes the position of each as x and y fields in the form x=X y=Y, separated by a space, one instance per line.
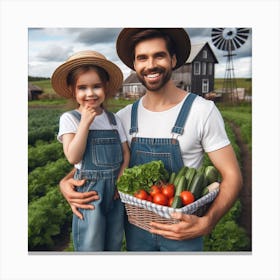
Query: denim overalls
x=102 y=228
x=144 y=150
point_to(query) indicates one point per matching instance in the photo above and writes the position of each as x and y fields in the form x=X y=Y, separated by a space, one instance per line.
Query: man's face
x=153 y=63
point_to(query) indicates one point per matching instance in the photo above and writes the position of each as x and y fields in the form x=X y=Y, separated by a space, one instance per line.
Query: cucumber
x=211 y=174
x=181 y=185
x=177 y=202
x=181 y=172
x=172 y=178
x=189 y=176
x=197 y=185
x=210 y=188
x=201 y=169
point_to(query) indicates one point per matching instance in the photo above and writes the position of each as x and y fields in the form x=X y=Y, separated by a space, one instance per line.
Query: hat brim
x=59 y=77
x=179 y=36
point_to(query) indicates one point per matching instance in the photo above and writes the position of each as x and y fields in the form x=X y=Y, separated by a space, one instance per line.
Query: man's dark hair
x=150 y=34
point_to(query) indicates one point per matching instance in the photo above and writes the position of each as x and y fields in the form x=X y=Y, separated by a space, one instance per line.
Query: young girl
x=94 y=141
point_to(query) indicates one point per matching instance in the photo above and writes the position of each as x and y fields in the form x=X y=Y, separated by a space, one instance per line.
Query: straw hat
x=88 y=57
x=179 y=36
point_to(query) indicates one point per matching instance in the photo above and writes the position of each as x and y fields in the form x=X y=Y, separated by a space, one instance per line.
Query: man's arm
x=76 y=199
x=191 y=226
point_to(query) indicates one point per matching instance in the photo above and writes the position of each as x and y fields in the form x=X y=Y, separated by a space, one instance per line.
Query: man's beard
x=166 y=76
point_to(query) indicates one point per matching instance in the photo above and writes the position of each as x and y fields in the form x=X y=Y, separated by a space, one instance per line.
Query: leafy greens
x=142 y=177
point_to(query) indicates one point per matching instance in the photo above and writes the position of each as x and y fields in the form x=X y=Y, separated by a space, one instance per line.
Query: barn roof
x=196 y=49
x=131 y=79
x=32 y=87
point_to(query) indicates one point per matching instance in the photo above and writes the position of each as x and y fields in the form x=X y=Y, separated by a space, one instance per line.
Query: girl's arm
x=74 y=144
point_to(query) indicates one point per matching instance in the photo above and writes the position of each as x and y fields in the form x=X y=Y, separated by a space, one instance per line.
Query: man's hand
x=189 y=226
x=77 y=199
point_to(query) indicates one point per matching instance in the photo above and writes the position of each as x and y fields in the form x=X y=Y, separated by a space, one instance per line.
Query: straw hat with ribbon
x=179 y=37
x=87 y=57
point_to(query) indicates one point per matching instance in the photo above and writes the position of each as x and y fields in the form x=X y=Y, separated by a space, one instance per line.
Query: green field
x=49 y=215
x=241 y=83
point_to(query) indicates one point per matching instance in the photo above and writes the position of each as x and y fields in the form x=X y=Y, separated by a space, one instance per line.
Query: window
x=203 y=68
x=196 y=68
x=205 y=86
x=210 y=68
x=204 y=54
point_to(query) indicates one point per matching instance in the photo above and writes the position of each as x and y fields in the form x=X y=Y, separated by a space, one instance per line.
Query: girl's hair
x=73 y=76
x=150 y=34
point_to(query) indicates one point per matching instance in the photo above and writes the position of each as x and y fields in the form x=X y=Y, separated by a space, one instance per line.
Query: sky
x=49 y=47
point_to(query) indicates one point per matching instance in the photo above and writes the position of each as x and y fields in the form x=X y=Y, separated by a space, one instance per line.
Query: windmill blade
x=229 y=38
x=238 y=41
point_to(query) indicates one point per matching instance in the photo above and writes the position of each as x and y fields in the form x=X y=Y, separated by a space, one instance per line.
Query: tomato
x=154 y=190
x=160 y=198
x=149 y=198
x=168 y=190
x=141 y=194
x=187 y=197
x=170 y=201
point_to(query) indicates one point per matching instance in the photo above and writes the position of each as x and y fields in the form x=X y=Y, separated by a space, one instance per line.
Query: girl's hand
x=89 y=113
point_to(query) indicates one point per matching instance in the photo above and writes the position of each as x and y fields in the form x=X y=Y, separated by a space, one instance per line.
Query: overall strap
x=76 y=114
x=183 y=115
x=111 y=117
x=134 y=122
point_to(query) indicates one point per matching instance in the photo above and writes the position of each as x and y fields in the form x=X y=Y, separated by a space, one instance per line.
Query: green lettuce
x=142 y=176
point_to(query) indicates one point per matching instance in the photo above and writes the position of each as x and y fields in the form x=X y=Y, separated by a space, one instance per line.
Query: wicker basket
x=142 y=212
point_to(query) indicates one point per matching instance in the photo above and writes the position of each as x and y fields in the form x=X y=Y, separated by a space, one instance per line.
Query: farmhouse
x=33 y=92
x=196 y=75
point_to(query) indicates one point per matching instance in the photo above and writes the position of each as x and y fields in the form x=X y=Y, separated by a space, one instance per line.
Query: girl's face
x=90 y=90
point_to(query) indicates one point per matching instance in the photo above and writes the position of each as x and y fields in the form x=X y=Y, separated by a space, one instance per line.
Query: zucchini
x=181 y=185
x=172 y=178
x=189 y=176
x=210 y=188
x=181 y=172
x=197 y=185
x=201 y=169
x=177 y=202
x=211 y=174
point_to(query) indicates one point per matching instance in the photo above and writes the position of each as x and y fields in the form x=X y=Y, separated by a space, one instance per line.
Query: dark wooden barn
x=33 y=92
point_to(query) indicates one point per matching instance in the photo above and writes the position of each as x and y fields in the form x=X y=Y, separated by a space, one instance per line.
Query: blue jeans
x=102 y=228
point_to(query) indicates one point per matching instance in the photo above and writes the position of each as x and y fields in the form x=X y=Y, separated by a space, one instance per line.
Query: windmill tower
x=228 y=40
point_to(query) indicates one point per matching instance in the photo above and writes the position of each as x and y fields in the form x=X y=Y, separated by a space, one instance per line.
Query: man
x=174 y=126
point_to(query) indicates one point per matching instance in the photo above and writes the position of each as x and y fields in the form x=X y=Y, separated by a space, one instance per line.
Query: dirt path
x=246 y=192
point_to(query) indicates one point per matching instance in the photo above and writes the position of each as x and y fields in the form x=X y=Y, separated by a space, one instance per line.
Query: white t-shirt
x=203 y=132
x=69 y=124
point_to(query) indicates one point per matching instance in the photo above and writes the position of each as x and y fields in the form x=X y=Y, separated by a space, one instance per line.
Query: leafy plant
x=41 y=179
x=46 y=217
x=228 y=235
x=142 y=176
x=44 y=153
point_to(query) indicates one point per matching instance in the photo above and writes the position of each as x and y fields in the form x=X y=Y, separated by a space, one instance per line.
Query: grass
x=240 y=82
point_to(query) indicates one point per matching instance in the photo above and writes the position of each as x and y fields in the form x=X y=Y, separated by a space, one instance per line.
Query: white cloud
x=50 y=45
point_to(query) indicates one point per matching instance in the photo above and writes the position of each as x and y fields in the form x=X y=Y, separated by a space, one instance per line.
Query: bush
x=46 y=217
x=44 y=153
x=228 y=235
x=41 y=179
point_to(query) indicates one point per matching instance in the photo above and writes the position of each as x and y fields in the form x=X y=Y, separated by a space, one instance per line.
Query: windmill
x=228 y=40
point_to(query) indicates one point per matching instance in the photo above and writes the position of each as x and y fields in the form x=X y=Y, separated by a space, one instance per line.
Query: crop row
x=49 y=215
